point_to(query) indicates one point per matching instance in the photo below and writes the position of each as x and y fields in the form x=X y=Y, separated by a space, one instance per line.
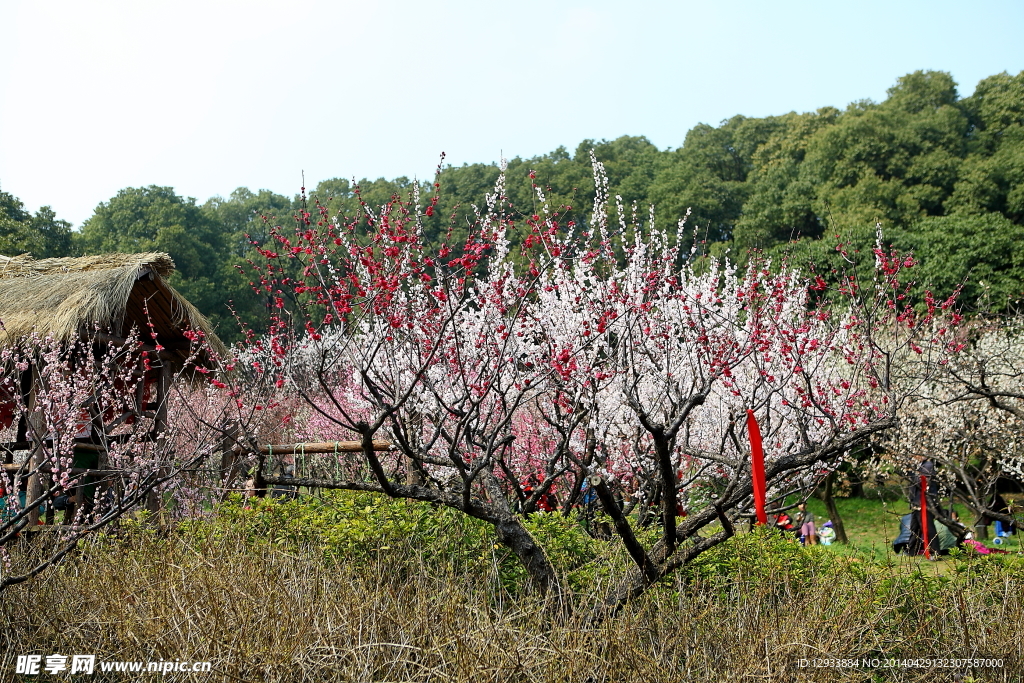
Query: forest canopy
x=943 y=175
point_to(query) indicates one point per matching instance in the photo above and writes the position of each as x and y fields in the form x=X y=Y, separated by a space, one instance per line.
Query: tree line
x=942 y=174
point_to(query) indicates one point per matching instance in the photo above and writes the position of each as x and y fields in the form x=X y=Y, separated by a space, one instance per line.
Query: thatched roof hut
x=67 y=298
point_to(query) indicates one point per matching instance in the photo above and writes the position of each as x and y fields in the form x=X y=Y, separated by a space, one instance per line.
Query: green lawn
x=872 y=524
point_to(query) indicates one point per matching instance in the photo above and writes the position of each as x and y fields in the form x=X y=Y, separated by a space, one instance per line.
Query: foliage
x=355 y=528
x=765 y=553
x=43 y=234
x=981 y=253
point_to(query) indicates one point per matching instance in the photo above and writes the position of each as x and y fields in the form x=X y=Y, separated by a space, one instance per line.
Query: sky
x=207 y=96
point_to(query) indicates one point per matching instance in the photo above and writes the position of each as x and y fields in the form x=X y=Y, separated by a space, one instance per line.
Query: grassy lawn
x=872 y=524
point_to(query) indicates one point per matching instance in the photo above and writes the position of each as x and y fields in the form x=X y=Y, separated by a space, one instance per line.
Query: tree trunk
x=155 y=501
x=833 y=512
x=516 y=538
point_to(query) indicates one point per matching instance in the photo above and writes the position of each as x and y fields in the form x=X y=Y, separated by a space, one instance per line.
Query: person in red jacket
x=783 y=522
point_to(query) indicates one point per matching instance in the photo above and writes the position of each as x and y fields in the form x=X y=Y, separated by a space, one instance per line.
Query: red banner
x=924 y=516
x=757 y=468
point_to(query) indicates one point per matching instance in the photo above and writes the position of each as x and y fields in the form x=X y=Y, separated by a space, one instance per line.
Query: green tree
x=992 y=177
x=709 y=175
x=43 y=235
x=782 y=200
x=241 y=219
x=245 y=215
x=993 y=182
x=922 y=91
x=996 y=106
x=983 y=253
x=156 y=219
x=895 y=162
x=842 y=172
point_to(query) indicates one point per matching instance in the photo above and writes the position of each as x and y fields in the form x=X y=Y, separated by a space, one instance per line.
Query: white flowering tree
x=972 y=446
x=541 y=357
x=967 y=417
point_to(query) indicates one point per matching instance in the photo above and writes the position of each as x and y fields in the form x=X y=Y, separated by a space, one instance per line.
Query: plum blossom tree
x=967 y=416
x=972 y=446
x=95 y=396
x=540 y=357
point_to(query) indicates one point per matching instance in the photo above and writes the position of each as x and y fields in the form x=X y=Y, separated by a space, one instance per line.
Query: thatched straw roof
x=67 y=297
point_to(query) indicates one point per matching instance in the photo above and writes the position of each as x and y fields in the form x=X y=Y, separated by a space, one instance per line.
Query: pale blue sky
x=209 y=95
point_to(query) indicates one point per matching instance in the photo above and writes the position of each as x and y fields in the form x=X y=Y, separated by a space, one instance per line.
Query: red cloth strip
x=924 y=515
x=757 y=468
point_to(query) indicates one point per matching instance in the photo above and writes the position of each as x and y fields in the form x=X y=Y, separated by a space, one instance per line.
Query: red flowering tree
x=541 y=357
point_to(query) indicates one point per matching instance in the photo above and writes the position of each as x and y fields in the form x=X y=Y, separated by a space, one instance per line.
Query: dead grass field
x=265 y=612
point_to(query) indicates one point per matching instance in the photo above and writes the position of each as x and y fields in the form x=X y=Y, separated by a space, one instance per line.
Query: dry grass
x=262 y=614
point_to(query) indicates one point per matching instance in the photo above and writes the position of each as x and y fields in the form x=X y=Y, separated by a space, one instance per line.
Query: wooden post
x=154 y=502
x=37 y=429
